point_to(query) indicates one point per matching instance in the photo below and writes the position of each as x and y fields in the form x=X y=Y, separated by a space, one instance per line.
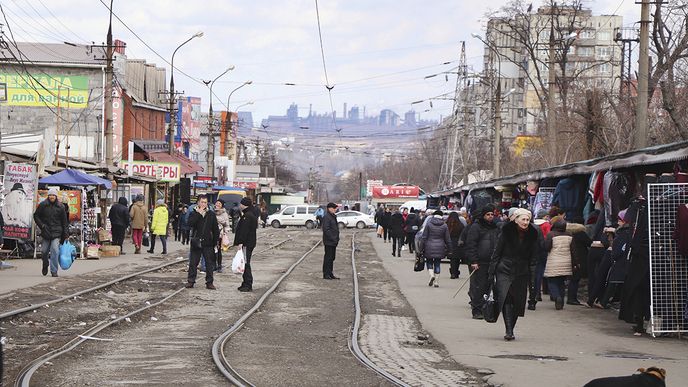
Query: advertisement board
x=20 y=184
x=40 y=89
x=164 y=172
x=68 y=197
x=394 y=192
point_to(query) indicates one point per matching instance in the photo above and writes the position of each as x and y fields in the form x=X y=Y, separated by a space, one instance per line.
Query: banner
x=70 y=198
x=396 y=192
x=164 y=172
x=42 y=89
x=20 y=184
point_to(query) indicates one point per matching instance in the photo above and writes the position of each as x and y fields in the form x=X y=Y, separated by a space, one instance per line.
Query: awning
x=73 y=177
x=188 y=166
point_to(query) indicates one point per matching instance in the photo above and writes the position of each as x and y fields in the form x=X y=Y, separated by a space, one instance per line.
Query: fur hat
x=519 y=212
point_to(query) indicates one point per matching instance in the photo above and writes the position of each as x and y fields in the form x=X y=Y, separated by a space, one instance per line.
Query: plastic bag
x=239 y=262
x=226 y=243
x=419 y=264
x=380 y=230
x=490 y=311
x=145 y=240
x=67 y=255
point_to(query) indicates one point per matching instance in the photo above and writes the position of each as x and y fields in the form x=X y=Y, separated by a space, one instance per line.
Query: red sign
x=246 y=184
x=392 y=192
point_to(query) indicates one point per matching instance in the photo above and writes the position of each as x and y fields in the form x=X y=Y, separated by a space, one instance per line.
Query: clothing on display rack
x=635 y=299
x=568 y=197
x=681 y=230
x=617 y=195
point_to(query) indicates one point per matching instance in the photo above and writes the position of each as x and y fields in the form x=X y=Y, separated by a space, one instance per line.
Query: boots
x=509 y=321
x=437 y=280
x=432 y=277
x=137 y=250
x=559 y=303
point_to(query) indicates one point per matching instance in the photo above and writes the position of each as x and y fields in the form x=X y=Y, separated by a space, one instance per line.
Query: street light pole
x=211 y=131
x=171 y=127
x=228 y=134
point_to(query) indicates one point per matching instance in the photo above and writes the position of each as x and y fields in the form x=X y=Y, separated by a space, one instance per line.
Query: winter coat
x=436 y=241
x=160 y=219
x=330 y=229
x=558 y=244
x=119 y=213
x=412 y=220
x=51 y=219
x=246 y=229
x=379 y=217
x=223 y=221
x=184 y=221
x=567 y=196
x=396 y=225
x=481 y=241
x=139 y=217
x=580 y=244
x=513 y=264
x=620 y=247
x=205 y=227
x=386 y=219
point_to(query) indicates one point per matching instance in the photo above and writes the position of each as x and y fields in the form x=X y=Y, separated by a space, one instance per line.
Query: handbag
x=419 y=264
x=145 y=241
x=490 y=308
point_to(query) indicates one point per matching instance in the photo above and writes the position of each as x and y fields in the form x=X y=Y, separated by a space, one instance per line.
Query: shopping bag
x=67 y=255
x=380 y=230
x=146 y=239
x=226 y=243
x=490 y=310
x=239 y=262
x=419 y=264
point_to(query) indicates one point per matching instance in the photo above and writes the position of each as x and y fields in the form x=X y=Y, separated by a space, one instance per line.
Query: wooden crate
x=109 y=251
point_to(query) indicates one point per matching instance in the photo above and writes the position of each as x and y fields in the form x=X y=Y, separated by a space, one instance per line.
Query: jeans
x=163 y=239
x=455 y=259
x=411 y=240
x=536 y=288
x=195 y=257
x=433 y=263
x=185 y=237
x=574 y=282
x=328 y=260
x=385 y=233
x=52 y=247
x=397 y=242
x=137 y=236
x=556 y=286
x=247 y=278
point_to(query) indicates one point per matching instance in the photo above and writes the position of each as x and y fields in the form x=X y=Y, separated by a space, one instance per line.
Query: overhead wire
x=328 y=86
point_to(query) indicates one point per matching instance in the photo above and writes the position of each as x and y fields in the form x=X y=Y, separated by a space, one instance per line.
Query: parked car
x=302 y=215
x=354 y=219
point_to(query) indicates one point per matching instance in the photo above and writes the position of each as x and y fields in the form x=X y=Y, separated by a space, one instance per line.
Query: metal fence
x=668 y=269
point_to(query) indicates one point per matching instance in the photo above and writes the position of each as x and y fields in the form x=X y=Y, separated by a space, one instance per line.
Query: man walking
x=139 y=222
x=480 y=243
x=204 y=242
x=51 y=219
x=245 y=239
x=119 y=219
x=330 y=240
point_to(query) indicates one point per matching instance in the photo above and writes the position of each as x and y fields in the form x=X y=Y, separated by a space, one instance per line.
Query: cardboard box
x=109 y=251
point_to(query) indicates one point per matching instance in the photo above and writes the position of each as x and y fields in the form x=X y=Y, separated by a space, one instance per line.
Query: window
x=586 y=51
x=288 y=211
x=301 y=210
x=605 y=68
x=604 y=52
x=312 y=209
x=571 y=50
x=604 y=35
x=345 y=214
x=587 y=34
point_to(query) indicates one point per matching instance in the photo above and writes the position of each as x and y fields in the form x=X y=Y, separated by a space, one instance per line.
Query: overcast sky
x=377 y=52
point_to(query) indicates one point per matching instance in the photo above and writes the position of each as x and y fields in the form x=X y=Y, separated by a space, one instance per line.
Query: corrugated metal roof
x=55 y=53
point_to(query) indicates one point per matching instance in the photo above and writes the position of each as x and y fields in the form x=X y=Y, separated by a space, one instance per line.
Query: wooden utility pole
x=109 y=141
x=57 y=129
x=551 y=90
x=641 y=133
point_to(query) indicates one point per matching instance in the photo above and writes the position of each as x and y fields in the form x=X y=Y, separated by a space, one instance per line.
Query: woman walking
x=139 y=222
x=512 y=265
x=159 y=226
x=559 y=260
x=223 y=224
x=435 y=245
x=396 y=232
x=455 y=229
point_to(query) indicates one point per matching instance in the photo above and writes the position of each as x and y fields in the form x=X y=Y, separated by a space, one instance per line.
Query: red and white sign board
x=392 y=192
x=164 y=172
x=246 y=184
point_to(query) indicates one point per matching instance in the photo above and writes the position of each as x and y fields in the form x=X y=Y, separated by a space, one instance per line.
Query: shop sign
x=396 y=192
x=245 y=184
x=164 y=172
x=19 y=189
x=41 y=89
x=204 y=181
x=370 y=184
x=70 y=198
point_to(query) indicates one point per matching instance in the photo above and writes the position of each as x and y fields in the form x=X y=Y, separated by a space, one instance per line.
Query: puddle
x=632 y=355
x=531 y=357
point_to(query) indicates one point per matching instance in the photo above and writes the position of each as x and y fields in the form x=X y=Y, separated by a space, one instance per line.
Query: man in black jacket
x=51 y=219
x=480 y=244
x=245 y=238
x=330 y=240
x=119 y=218
x=205 y=240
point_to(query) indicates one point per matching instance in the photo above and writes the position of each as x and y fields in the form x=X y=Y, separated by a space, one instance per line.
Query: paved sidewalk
x=552 y=348
x=27 y=272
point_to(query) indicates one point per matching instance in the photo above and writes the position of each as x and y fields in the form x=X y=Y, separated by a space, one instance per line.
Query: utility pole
x=211 y=138
x=109 y=141
x=551 y=83
x=640 y=134
x=57 y=128
x=498 y=130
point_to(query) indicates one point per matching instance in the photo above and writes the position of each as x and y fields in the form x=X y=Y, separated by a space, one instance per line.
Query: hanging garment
x=598 y=192
x=568 y=196
x=681 y=230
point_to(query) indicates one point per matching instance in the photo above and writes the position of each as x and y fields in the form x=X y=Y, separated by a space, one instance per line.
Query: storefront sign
x=20 y=184
x=164 y=172
x=204 y=181
x=245 y=184
x=391 y=192
x=40 y=89
x=70 y=198
x=370 y=184
x=117 y=124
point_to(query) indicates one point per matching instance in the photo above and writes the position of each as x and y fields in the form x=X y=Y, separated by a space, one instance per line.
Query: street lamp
x=211 y=134
x=170 y=129
x=229 y=131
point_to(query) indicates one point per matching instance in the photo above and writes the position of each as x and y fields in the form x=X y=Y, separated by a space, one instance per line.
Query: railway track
x=233 y=376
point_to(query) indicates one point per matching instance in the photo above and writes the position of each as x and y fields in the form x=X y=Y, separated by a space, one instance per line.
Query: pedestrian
x=330 y=228
x=455 y=229
x=184 y=225
x=480 y=244
x=175 y=222
x=436 y=244
x=263 y=214
x=512 y=266
x=379 y=220
x=245 y=239
x=119 y=220
x=204 y=242
x=580 y=244
x=223 y=223
x=139 y=222
x=159 y=226
x=386 y=224
x=619 y=256
x=396 y=232
x=559 y=260
x=411 y=229
x=51 y=219
x=256 y=212
x=319 y=214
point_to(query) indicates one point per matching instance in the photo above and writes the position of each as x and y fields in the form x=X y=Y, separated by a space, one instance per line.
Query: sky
x=377 y=53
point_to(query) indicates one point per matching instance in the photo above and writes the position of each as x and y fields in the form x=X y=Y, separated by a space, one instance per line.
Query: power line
x=328 y=86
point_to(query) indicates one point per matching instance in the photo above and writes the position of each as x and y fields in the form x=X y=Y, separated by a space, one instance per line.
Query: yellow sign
x=41 y=89
x=526 y=145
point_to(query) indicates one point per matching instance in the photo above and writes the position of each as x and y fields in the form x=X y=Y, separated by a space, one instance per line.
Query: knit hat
x=160 y=202
x=519 y=212
x=622 y=215
x=246 y=202
x=438 y=212
x=541 y=214
x=52 y=191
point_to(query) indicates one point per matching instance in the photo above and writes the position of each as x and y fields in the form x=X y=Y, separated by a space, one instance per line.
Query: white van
x=420 y=205
x=302 y=215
